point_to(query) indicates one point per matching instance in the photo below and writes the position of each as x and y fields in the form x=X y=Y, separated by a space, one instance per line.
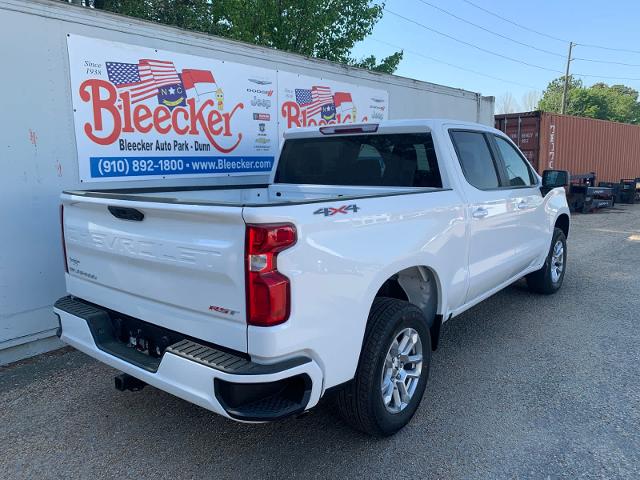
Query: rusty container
x=577 y=144
x=524 y=131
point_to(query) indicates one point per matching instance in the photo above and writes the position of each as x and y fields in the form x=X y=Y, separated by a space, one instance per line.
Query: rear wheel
x=392 y=372
x=549 y=278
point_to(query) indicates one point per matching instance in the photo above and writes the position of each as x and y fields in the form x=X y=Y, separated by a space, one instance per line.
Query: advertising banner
x=309 y=101
x=142 y=113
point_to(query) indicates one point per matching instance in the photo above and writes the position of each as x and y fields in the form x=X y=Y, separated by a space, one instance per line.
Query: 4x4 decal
x=330 y=211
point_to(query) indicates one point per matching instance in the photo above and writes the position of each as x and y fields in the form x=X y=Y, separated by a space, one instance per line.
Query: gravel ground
x=522 y=386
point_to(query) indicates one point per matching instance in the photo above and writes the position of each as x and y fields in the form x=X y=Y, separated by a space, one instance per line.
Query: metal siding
x=580 y=145
x=610 y=149
x=524 y=131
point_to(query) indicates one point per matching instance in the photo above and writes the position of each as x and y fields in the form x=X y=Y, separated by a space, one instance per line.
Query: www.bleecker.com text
x=190 y=120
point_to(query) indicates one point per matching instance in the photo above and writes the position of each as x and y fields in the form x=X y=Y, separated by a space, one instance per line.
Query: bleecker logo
x=318 y=105
x=116 y=108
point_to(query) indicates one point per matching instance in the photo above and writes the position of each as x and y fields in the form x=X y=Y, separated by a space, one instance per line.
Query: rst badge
x=330 y=211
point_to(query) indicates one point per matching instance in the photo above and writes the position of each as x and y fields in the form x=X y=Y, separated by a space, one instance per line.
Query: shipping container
x=576 y=144
x=47 y=43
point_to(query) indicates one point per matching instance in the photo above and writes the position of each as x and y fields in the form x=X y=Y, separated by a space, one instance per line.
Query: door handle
x=522 y=205
x=480 y=212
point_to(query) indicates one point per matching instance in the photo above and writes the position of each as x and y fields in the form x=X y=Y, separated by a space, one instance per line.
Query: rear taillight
x=64 y=244
x=268 y=291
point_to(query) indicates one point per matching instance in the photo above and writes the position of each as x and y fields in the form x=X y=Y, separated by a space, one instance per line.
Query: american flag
x=313 y=100
x=142 y=80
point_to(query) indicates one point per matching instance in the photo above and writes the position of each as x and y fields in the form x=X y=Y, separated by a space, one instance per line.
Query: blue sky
x=612 y=24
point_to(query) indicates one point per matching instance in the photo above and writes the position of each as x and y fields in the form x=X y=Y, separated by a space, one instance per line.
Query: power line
x=437 y=60
x=588 y=45
x=471 y=44
x=491 y=31
x=613 y=49
x=586 y=75
x=515 y=23
x=610 y=62
x=606 y=77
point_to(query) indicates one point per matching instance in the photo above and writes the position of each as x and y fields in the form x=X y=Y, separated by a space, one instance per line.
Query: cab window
x=518 y=172
x=476 y=159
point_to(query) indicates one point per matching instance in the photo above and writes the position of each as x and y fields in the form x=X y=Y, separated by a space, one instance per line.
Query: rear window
x=398 y=160
x=475 y=158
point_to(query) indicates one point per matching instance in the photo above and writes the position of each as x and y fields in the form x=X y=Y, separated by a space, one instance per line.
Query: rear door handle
x=480 y=212
x=522 y=205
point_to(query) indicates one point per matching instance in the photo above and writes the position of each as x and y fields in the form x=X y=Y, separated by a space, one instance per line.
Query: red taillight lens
x=64 y=244
x=268 y=291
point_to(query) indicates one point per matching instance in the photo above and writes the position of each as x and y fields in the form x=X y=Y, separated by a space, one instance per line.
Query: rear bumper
x=232 y=388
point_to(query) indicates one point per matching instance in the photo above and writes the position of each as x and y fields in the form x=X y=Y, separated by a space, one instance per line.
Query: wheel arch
x=563 y=222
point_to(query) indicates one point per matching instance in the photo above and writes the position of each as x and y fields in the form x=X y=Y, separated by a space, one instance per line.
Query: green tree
x=551 y=100
x=325 y=29
x=617 y=103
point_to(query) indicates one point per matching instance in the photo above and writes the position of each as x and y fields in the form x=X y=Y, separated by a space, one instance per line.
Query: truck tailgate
x=180 y=266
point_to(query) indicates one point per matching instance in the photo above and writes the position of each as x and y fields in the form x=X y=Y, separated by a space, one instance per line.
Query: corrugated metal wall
x=524 y=130
x=581 y=145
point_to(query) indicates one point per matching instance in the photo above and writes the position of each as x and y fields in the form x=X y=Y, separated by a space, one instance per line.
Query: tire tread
x=353 y=401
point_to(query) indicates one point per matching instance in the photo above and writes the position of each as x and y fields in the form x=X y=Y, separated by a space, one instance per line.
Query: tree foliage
x=325 y=29
x=617 y=103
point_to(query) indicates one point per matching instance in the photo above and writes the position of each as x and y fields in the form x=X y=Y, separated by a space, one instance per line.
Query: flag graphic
x=343 y=102
x=143 y=79
x=313 y=99
x=198 y=82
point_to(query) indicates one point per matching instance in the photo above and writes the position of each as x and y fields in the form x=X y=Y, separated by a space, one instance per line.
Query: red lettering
x=291 y=112
x=174 y=120
x=141 y=118
x=213 y=119
x=161 y=114
x=227 y=119
x=126 y=112
x=140 y=114
x=197 y=116
x=90 y=91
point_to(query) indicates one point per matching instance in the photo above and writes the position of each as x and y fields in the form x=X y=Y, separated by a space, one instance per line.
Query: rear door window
x=476 y=159
x=395 y=160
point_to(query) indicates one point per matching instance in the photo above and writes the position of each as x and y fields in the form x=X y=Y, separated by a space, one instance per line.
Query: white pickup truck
x=255 y=301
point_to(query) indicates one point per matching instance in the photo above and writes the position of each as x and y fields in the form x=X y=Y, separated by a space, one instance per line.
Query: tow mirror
x=553 y=179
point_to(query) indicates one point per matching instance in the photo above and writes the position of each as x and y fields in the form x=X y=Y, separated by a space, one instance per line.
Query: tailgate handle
x=126 y=213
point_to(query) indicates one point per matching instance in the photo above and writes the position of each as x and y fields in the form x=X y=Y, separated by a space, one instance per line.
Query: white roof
x=395 y=126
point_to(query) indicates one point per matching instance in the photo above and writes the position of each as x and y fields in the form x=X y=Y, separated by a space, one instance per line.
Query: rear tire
x=549 y=278
x=397 y=336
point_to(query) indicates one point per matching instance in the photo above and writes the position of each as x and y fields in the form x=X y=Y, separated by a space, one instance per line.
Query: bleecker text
x=127 y=118
x=297 y=117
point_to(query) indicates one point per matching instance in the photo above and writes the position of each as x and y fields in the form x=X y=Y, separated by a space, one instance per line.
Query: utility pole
x=566 y=81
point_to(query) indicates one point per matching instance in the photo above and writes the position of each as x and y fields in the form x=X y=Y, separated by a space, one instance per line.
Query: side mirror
x=553 y=179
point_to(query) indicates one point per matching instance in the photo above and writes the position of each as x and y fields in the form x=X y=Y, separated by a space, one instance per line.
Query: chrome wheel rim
x=557 y=261
x=401 y=370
